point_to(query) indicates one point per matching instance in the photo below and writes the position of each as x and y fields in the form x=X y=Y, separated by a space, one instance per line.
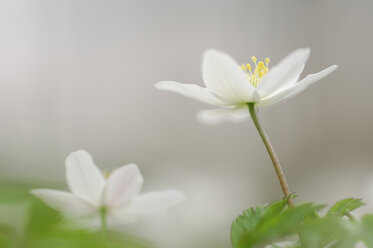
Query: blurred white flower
x=231 y=86
x=117 y=196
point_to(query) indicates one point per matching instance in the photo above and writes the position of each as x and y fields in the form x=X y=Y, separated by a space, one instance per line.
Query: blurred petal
x=84 y=178
x=65 y=202
x=222 y=76
x=119 y=216
x=216 y=116
x=286 y=72
x=156 y=202
x=288 y=91
x=124 y=184
x=145 y=205
x=190 y=90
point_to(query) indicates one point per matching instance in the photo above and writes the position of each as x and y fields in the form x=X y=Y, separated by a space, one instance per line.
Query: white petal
x=286 y=72
x=84 y=178
x=222 y=76
x=190 y=90
x=70 y=205
x=124 y=184
x=156 y=202
x=288 y=91
x=216 y=116
x=122 y=216
x=146 y=205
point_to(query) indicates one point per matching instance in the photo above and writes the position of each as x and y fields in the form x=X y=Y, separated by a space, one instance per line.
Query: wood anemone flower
x=231 y=86
x=117 y=197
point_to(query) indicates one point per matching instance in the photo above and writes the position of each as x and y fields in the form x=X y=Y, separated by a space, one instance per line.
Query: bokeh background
x=80 y=75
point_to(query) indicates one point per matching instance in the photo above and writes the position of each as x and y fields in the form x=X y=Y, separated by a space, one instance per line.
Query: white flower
x=231 y=86
x=118 y=196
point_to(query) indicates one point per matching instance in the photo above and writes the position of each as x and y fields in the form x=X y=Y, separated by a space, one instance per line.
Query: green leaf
x=333 y=231
x=273 y=209
x=7 y=237
x=319 y=232
x=42 y=219
x=285 y=223
x=247 y=221
x=344 y=207
x=5 y=241
x=260 y=226
x=367 y=229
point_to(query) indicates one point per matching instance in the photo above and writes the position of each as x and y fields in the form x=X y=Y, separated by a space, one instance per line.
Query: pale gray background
x=80 y=74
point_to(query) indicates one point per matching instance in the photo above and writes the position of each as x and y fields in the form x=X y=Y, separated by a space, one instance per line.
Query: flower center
x=260 y=70
x=106 y=173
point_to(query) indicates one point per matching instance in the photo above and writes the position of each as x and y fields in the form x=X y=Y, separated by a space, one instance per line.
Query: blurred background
x=80 y=75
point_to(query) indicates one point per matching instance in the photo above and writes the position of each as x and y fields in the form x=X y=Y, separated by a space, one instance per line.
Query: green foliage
x=345 y=206
x=26 y=222
x=245 y=222
x=5 y=237
x=264 y=225
x=320 y=232
x=367 y=229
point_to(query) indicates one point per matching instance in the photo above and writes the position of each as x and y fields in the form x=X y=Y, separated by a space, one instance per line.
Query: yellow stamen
x=261 y=65
x=260 y=70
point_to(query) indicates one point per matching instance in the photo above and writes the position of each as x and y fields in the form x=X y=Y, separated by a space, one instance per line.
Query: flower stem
x=271 y=152
x=103 y=212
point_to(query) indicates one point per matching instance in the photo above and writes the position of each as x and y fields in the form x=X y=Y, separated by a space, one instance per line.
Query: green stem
x=271 y=152
x=103 y=213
